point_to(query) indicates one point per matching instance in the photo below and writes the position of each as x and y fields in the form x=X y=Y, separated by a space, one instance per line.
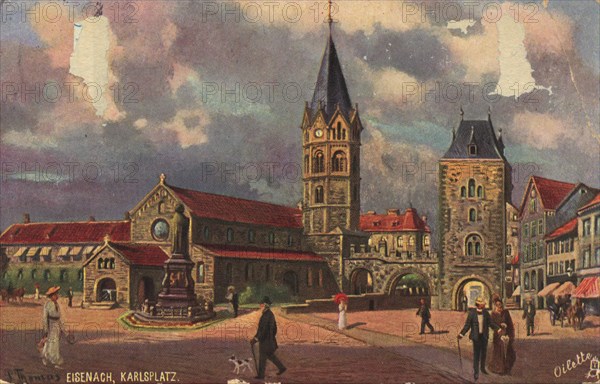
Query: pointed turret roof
x=330 y=89
x=478 y=132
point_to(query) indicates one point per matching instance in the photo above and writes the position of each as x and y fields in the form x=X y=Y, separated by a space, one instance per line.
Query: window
x=229 y=235
x=526 y=253
x=533 y=280
x=206 y=233
x=533 y=228
x=46 y=274
x=472 y=215
x=526 y=280
x=597 y=225
x=534 y=251
x=249 y=272
x=472 y=149
x=160 y=230
x=320 y=278
x=318 y=162
x=306 y=164
x=596 y=261
x=33 y=274
x=161 y=207
x=586 y=257
x=20 y=274
x=463 y=192
x=549 y=249
x=290 y=241
x=480 y=192
x=251 y=236
x=562 y=246
x=64 y=276
x=551 y=269
x=229 y=273
x=411 y=241
x=426 y=241
x=474 y=245
x=319 y=194
x=100 y=263
x=200 y=272
x=508 y=249
x=309 y=277
x=561 y=267
x=80 y=275
x=540 y=227
x=586 y=227
x=271 y=238
x=339 y=162
x=526 y=231
x=400 y=241
x=471 y=188
x=532 y=205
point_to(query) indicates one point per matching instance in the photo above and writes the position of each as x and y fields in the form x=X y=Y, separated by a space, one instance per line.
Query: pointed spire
x=329 y=18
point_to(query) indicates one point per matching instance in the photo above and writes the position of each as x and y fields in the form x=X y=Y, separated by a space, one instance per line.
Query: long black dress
x=503 y=356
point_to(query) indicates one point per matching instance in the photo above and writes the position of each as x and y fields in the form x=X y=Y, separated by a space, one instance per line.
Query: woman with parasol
x=341 y=299
x=54 y=328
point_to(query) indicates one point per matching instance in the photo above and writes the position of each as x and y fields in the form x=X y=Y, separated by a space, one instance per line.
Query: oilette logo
x=580 y=359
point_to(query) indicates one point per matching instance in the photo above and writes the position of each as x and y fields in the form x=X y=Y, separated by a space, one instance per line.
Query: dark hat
x=266 y=300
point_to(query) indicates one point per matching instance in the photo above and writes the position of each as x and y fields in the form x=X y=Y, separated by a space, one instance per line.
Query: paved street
x=312 y=354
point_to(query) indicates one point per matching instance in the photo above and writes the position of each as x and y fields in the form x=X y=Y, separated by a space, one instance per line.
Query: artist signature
x=18 y=375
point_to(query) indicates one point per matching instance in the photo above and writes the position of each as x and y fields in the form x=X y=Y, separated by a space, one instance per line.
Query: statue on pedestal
x=181 y=226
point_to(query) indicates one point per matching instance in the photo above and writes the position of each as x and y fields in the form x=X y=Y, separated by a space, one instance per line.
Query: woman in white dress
x=54 y=328
x=342 y=307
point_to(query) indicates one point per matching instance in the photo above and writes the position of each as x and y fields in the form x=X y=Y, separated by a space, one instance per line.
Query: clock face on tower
x=319 y=133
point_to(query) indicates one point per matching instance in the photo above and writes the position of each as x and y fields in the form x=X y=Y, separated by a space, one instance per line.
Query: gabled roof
x=595 y=201
x=570 y=227
x=330 y=89
x=478 y=132
x=238 y=210
x=552 y=192
x=68 y=232
x=393 y=221
x=241 y=252
x=136 y=254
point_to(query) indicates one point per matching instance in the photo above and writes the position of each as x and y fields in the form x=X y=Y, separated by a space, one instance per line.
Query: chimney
x=26 y=218
x=92 y=218
x=393 y=211
x=127 y=216
x=424 y=218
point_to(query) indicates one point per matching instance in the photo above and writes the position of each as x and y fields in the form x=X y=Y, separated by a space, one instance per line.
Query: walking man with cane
x=267 y=343
x=478 y=324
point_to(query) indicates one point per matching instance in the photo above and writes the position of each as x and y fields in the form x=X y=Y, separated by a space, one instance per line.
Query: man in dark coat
x=70 y=296
x=425 y=316
x=267 y=343
x=529 y=315
x=478 y=323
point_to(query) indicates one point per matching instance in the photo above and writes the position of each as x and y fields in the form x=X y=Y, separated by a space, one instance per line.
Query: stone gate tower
x=474 y=187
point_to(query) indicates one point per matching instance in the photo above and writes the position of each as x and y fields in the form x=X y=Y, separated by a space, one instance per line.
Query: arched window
x=463 y=192
x=480 y=192
x=111 y=264
x=251 y=236
x=474 y=245
x=20 y=274
x=320 y=278
x=80 y=275
x=472 y=215
x=306 y=163
x=100 y=263
x=532 y=205
x=319 y=194
x=343 y=134
x=271 y=238
x=46 y=274
x=426 y=241
x=411 y=241
x=229 y=235
x=382 y=247
x=318 y=162
x=533 y=280
x=106 y=263
x=471 y=188
x=161 y=207
x=63 y=275
x=533 y=251
x=400 y=242
x=200 y=272
x=526 y=280
x=508 y=249
x=33 y=274
x=290 y=241
x=339 y=131
x=309 y=277
x=339 y=162
x=249 y=272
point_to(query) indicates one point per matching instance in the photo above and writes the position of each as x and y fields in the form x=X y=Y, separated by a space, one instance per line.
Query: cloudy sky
x=212 y=94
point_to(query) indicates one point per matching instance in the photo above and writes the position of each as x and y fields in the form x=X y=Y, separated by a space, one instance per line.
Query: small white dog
x=240 y=364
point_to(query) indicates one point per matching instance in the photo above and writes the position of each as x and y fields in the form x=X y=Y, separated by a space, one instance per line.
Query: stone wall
x=93 y=275
x=156 y=274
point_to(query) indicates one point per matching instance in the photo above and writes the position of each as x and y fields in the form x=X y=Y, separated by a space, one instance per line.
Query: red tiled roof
x=393 y=222
x=234 y=209
x=565 y=229
x=552 y=192
x=142 y=254
x=73 y=232
x=594 y=201
x=240 y=252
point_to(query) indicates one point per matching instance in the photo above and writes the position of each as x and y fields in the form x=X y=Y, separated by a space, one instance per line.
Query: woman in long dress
x=54 y=328
x=342 y=321
x=503 y=355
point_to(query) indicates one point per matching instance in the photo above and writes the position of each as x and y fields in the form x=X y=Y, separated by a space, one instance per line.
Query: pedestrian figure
x=425 y=314
x=70 y=296
x=37 y=291
x=478 y=323
x=529 y=316
x=233 y=299
x=266 y=338
x=342 y=301
x=465 y=303
x=54 y=328
x=503 y=355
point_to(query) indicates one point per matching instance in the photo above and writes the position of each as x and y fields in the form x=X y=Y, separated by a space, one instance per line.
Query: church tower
x=475 y=185
x=331 y=130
